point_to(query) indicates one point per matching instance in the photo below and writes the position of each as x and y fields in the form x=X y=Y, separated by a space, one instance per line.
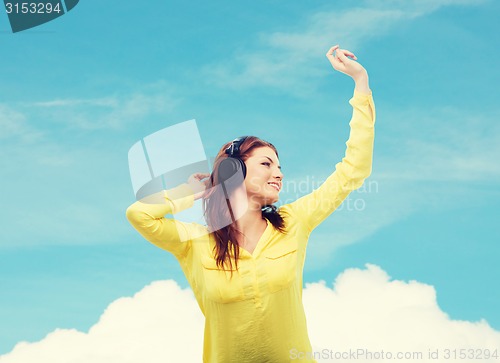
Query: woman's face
x=263 y=181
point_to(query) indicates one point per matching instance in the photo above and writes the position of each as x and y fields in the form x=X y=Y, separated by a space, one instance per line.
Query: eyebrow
x=272 y=162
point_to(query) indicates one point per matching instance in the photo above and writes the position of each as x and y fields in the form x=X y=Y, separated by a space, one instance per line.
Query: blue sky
x=78 y=92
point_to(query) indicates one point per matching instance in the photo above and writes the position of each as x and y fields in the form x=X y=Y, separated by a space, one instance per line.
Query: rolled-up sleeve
x=166 y=233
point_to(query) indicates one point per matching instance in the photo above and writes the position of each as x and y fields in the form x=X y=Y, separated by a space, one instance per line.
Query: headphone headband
x=234 y=149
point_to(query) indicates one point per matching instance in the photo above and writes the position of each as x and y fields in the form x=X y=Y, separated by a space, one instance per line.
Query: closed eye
x=266 y=163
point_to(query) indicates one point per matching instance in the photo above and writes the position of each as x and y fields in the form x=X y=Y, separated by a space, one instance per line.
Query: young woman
x=245 y=267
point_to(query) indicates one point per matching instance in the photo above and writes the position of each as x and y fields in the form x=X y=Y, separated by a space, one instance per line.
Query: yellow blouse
x=258 y=315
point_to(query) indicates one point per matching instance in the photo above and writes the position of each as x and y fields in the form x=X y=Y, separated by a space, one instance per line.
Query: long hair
x=227 y=237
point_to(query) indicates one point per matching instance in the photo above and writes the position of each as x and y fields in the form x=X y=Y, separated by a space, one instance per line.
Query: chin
x=271 y=200
x=267 y=201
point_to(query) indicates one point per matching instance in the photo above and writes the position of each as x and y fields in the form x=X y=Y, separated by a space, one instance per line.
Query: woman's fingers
x=337 y=48
x=339 y=57
x=332 y=49
x=348 y=53
x=200 y=176
x=333 y=58
x=344 y=61
x=329 y=54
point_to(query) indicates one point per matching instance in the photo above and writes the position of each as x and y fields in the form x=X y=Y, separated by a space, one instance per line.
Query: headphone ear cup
x=243 y=168
x=232 y=171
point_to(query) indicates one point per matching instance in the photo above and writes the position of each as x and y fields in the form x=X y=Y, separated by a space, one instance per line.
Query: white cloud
x=161 y=323
x=363 y=310
x=366 y=310
x=285 y=59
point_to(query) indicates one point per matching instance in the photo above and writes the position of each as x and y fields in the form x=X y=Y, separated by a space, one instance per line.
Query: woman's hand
x=196 y=182
x=340 y=62
x=345 y=61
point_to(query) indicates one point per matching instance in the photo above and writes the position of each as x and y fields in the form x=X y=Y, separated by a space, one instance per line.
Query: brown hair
x=226 y=238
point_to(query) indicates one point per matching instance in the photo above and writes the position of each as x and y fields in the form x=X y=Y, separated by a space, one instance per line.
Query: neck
x=248 y=215
x=251 y=220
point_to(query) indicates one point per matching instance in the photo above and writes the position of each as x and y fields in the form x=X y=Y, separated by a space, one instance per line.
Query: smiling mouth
x=275 y=186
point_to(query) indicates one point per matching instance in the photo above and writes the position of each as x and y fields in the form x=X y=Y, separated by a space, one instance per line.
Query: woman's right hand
x=198 y=185
x=345 y=61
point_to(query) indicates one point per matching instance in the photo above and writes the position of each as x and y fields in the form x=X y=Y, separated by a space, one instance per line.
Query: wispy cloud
x=364 y=309
x=44 y=162
x=432 y=159
x=285 y=59
x=110 y=112
x=106 y=102
x=14 y=126
x=440 y=144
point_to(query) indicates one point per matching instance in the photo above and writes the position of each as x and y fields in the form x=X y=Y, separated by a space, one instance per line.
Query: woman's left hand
x=199 y=182
x=342 y=63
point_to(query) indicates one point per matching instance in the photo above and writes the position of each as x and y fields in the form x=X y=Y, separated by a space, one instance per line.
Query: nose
x=278 y=174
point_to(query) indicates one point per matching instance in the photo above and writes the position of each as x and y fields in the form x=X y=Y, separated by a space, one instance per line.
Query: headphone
x=233 y=164
x=232 y=171
x=229 y=168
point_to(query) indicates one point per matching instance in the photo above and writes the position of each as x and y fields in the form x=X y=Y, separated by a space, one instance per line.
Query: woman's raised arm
x=147 y=216
x=356 y=165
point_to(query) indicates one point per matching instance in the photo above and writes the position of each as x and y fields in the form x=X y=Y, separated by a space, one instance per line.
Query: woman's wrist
x=361 y=83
